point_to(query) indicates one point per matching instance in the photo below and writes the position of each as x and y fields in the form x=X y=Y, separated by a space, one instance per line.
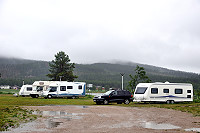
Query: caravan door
x=53 y=91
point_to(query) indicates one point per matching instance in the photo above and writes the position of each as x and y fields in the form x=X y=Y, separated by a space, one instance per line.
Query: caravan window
x=62 y=88
x=165 y=90
x=141 y=90
x=69 y=87
x=29 y=88
x=154 y=90
x=53 y=89
x=189 y=91
x=178 y=91
x=80 y=87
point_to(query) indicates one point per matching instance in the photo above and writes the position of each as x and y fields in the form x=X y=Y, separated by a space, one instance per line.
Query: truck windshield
x=39 y=88
x=108 y=92
x=141 y=90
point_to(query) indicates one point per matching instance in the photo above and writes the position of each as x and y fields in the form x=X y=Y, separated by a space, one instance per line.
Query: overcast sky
x=163 y=33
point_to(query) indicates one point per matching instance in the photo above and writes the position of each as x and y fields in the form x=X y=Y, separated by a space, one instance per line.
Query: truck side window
x=120 y=93
x=154 y=90
x=62 y=88
x=80 y=87
x=69 y=87
x=178 y=91
x=29 y=88
x=114 y=93
x=53 y=89
x=165 y=90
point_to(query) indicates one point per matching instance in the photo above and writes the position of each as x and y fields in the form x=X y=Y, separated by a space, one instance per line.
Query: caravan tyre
x=73 y=97
x=172 y=101
x=36 y=96
x=168 y=102
x=49 y=96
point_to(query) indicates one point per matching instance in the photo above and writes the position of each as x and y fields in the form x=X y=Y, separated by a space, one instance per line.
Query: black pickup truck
x=119 y=96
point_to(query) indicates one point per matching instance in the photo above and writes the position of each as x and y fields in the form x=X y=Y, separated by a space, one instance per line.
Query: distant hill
x=105 y=74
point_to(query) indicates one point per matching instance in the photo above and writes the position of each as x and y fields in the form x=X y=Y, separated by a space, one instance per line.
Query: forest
x=14 y=71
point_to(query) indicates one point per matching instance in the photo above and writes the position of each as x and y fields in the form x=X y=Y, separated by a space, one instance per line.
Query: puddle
x=78 y=106
x=59 y=114
x=193 y=129
x=153 y=125
x=51 y=124
x=27 y=127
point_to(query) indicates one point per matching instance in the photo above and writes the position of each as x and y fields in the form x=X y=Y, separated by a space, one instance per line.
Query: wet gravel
x=112 y=119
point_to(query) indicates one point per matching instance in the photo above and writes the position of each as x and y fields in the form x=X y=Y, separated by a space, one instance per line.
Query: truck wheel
x=105 y=102
x=49 y=96
x=126 y=101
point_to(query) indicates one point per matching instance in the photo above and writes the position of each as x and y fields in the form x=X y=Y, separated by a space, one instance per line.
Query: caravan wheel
x=170 y=102
x=49 y=96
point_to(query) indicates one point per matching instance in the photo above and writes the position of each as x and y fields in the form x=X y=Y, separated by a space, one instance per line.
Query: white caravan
x=65 y=89
x=163 y=92
x=25 y=90
x=39 y=87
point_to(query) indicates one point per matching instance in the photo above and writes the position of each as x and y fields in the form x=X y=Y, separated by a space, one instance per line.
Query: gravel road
x=112 y=119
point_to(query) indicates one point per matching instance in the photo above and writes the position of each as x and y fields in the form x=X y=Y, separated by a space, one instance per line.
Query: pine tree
x=61 y=68
x=139 y=77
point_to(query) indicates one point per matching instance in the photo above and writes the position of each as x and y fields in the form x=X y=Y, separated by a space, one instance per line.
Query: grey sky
x=163 y=33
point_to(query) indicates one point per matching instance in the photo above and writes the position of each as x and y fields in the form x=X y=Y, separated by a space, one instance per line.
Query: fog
x=162 y=33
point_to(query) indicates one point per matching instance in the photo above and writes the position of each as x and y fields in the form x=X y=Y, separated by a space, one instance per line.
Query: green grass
x=28 y=101
x=10 y=106
x=8 y=91
x=11 y=116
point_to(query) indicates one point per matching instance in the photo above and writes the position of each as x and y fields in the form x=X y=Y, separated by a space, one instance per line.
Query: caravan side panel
x=164 y=92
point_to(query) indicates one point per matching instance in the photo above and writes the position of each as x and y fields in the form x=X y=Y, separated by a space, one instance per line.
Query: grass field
x=10 y=107
x=8 y=91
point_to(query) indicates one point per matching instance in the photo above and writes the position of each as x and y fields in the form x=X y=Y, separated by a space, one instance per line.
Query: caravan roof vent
x=166 y=82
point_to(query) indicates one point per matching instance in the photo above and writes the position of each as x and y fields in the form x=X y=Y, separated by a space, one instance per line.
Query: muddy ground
x=112 y=119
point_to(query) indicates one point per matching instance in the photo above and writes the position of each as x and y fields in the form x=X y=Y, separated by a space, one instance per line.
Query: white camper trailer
x=39 y=87
x=65 y=89
x=163 y=92
x=25 y=90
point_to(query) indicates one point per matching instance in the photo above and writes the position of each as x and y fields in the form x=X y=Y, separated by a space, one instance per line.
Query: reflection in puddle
x=193 y=129
x=78 y=106
x=59 y=114
x=51 y=123
x=153 y=125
